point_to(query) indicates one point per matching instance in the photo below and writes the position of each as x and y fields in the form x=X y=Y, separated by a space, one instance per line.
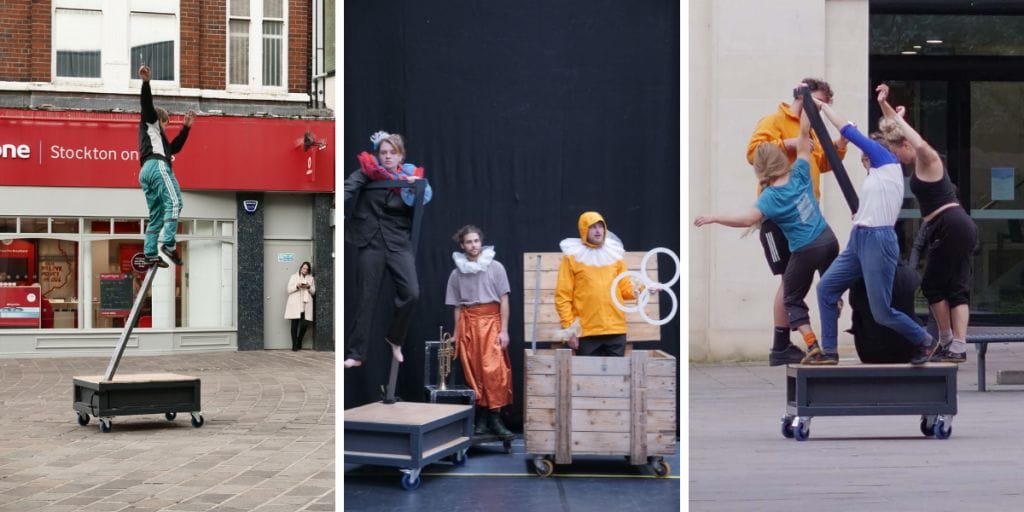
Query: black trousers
x=372 y=261
x=796 y=281
x=951 y=239
x=299 y=330
x=602 y=345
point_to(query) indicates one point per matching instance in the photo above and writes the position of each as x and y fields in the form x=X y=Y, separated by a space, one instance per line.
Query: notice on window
x=115 y=295
x=20 y=306
x=1003 y=181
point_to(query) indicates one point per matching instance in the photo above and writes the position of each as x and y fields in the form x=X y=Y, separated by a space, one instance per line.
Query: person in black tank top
x=948 y=234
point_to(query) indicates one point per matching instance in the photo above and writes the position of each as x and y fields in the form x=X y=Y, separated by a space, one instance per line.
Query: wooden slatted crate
x=600 y=405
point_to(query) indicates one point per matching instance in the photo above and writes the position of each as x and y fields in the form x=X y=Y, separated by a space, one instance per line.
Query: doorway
x=281 y=259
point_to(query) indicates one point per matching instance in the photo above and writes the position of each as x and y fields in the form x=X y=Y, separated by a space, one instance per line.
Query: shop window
x=38 y=283
x=35 y=225
x=75 y=43
x=204 y=227
x=257 y=48
x=117 y=272
x=8 y=224
x=64 y=226
x=153 y=39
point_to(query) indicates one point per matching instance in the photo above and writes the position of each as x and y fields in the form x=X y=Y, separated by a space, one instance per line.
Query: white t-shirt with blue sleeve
x=793 y=207
x=881 y=194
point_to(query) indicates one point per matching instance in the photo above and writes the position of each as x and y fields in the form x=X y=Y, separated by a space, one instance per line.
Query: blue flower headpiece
x=378 y=137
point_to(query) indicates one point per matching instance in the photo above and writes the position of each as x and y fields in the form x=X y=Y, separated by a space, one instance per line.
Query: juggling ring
x=645 y=296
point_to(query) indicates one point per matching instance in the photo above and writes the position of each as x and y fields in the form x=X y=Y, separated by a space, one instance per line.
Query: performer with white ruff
x=478 y=288
x=590 y=321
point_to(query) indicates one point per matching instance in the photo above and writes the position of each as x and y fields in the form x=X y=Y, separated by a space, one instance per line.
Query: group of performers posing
x=378 y=222
x=787 y=160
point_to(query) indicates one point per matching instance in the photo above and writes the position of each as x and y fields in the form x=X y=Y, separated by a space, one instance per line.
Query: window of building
x=257 y=49
x=41 y=285
x=77 y=47
x=152 y=40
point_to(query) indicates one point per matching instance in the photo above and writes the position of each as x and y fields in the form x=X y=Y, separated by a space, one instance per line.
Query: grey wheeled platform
x=871 y=389
x=407 y=435
x=154 y=393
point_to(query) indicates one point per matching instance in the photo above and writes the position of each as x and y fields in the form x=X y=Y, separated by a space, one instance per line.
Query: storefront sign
x=115 y=295
x=95 y=149
x=19 y=306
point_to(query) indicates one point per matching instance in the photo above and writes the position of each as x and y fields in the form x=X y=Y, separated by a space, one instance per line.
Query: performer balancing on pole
x=872 y=252
x=380 y=225
x=787 y=199
x=163 y=195
x=479 y=289
x=950 y=235
x=780 y=129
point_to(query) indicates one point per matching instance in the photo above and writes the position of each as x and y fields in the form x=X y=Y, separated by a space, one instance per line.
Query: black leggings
x=950 y=239
x=299 y=330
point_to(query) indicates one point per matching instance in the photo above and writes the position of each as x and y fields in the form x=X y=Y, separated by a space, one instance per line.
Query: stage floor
x=507 y=482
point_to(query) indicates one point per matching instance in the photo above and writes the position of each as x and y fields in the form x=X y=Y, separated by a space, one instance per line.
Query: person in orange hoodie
x=594 y=325
x=782 y=129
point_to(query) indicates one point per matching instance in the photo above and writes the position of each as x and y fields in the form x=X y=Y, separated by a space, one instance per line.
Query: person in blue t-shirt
x=788 y=200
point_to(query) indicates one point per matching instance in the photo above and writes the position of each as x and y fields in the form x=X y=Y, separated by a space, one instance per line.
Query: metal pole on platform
x=129 y=324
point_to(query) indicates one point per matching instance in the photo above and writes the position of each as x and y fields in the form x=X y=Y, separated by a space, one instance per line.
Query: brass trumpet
x=445 y=352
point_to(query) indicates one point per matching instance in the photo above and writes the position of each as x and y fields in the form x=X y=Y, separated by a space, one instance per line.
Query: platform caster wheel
x=170 y=415
x=105 y=425
x=460 y=458
x=543 y=467
x=409 y=483
x=802 y=431
x=197 y=420
x=662 y=469
x=507 y=445
x=787 y=427
x=928 y=426
x=83 y=419
x=942 y=429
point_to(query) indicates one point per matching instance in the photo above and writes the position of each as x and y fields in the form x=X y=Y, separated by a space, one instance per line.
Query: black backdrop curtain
x=524 y=114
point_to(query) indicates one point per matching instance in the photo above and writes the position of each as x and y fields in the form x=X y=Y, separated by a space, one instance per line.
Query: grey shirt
x=486 y=286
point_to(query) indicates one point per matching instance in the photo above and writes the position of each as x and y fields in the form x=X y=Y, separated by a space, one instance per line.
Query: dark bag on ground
x=877 y=344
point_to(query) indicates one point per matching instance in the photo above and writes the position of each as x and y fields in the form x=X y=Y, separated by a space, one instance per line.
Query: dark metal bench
x=982 y=336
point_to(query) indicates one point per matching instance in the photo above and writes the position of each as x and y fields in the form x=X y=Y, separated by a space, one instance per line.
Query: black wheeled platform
x=407 y=435
x=105 y=396
x=155 y=393
x=871 y=389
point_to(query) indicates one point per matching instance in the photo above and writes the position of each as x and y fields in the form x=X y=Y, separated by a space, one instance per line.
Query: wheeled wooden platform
x=871 y=389
x=407 y=435
x=151 y=393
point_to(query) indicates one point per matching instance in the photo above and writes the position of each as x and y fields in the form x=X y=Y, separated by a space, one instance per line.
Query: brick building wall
x=24 y=34
x=300 y=22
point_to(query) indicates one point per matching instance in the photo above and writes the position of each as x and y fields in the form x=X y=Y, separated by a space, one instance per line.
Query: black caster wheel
x=662 y=469
x=787 y=427
x=508 y=446
x=105 y=425
x=802 y=431
x=197 y=420
x=543 y=467
x=83 y=419
x=460 y=458
x=943 y=430
x=170 y=415
x=927 y=427
x=409 y=484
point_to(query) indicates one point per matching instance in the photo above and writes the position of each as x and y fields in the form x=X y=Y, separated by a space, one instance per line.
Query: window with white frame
x=77 y=47
x=152 y=39
x=257 y=49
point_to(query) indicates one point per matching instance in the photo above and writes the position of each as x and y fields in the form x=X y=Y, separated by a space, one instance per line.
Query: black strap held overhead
x=830 y=150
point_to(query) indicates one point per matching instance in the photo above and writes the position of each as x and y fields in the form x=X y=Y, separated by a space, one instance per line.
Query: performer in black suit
x=379 y=223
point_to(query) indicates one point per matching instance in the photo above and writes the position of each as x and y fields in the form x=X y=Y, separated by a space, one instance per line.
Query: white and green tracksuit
x=163 y=195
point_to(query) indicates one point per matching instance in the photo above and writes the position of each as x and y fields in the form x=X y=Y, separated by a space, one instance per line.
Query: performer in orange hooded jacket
x=582 y=296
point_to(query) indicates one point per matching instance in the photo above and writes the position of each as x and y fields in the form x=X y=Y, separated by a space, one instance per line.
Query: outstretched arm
x=804 y=144
x=928 y=165
x=179 y=140
x=739 y=220
x=148 y=112
x=834 y=117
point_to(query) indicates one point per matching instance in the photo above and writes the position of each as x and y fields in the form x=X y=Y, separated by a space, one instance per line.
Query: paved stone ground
x=739 y=461
x=267 y=444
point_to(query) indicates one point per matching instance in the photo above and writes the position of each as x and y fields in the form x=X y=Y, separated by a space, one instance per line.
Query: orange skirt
x=486 y=366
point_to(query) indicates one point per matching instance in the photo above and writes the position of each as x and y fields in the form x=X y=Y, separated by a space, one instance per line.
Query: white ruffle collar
x=472 y=267
x=609 y=252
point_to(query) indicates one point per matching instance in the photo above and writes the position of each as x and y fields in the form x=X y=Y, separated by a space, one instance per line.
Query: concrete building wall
x=745 y=58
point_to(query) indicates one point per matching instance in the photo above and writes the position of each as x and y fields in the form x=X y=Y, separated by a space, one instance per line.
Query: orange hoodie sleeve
x=625 y=284
x=564 y=292
x=766 y=131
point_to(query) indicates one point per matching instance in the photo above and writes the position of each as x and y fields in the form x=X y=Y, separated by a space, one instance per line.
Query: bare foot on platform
x=396 y=351
x=352 y=363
